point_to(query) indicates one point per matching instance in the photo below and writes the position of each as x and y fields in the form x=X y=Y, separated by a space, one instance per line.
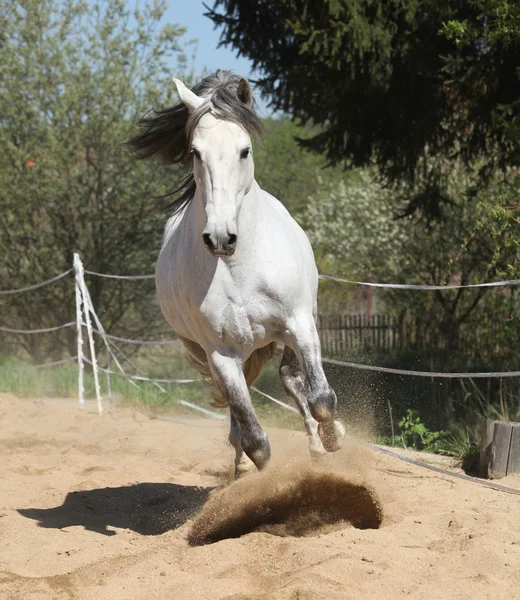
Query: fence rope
x=396 y=286
x=25 y=331
x=489 y=484
x=36 y=285
x=133 y=366
x=413 y=286
x=490 y=375
x=108 y=276
x=412 y=461
x=139 y=342
x=286 y=406
x=42 y=366
x=142 y=377
x=205 y=411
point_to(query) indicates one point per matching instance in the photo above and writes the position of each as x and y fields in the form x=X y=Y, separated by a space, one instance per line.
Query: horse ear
x=191 y=100
x=244 y=92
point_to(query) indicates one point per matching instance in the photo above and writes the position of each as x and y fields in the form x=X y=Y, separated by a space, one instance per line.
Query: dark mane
x=167 y=133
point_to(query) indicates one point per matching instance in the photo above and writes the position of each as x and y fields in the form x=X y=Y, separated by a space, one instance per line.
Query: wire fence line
x=140 y=342
x=30 y=331
x=41 y=366
x=141 y=377
x=109 y=276
x=36 y=285
x=204 y=411
x=490 y=375
x=112 y=337
x=397 y=286
x=133 y=378
x=423 y=287
x=275 y=400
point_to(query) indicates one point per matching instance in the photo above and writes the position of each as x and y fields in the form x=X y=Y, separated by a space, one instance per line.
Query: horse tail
x=255 y=363
x=199 y=361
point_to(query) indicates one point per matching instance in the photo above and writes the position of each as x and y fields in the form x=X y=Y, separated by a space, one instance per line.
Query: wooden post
x=486 y=440
x=513 y=465
x=501 y=445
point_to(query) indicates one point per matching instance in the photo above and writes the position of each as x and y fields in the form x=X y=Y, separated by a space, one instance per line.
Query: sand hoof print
x=296 y=504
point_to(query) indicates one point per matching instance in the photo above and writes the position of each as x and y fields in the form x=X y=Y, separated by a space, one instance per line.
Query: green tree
x=405 y=84
x=74 y=79
x=355 y=233
x=284 y=169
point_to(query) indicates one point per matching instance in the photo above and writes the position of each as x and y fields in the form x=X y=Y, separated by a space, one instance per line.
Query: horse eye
x=195 y=153
x=245 y=153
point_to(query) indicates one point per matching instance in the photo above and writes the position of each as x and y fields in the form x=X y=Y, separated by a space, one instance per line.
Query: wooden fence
x=341 y=334
x=499 y=449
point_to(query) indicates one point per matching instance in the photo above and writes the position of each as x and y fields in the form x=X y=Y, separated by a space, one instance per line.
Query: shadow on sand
x=147 y=508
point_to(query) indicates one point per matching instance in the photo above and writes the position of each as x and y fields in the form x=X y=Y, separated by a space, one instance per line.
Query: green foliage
x=501 y=222
x=62 y=382
x=74 y=79
x=355 y=234
x=404 y=84
x=482 y=75
x=464 y=449
x=414 y=434
x=284 y=169
x=501 y=23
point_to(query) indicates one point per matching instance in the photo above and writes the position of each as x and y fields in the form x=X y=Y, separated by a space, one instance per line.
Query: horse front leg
x=303 y=339
x=246 y=433
x=293 y=380
x=243 y=463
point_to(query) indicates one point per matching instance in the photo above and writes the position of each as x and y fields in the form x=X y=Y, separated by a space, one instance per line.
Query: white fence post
x=79 y=329
x=109 y=384
x=86 y=310
x=101 y=329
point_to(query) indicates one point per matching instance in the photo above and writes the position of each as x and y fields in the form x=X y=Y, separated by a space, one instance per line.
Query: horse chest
x=234 y=320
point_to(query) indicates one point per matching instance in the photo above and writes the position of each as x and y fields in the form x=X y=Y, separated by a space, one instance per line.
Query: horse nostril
x=232 y=239
x=207 y=240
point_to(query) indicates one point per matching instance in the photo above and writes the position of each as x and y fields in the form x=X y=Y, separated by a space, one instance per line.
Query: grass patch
x=62 y=382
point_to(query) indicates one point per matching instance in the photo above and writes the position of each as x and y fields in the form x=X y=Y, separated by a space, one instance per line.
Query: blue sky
x=190 y=14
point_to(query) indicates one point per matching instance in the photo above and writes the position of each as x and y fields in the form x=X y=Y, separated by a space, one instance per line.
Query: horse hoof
x=260 y=452
x=244 y=467
x=332 y=434
x=316 y=448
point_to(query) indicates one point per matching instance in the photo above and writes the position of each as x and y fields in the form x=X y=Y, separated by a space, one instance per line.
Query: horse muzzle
x=220 y=245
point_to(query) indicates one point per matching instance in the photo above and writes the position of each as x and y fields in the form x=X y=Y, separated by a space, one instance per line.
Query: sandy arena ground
x=103 y=507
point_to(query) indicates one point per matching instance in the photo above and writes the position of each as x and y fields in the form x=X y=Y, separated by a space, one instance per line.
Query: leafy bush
x=414 y=434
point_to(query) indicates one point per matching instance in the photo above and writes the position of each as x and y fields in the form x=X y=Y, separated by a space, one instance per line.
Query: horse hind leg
x=293 y=380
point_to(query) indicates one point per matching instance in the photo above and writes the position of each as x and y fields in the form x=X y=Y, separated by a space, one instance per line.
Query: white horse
x=236 y=274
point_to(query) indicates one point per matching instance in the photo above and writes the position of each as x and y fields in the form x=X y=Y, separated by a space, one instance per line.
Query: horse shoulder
x=284 y=219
